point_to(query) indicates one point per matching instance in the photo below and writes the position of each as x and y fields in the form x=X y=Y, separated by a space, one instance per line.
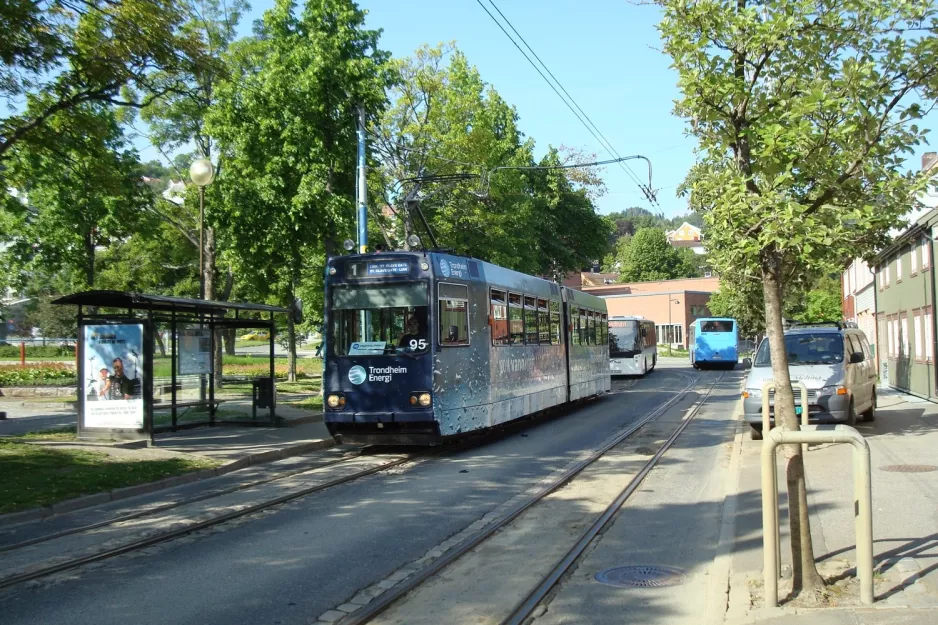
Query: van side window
x=853 y=345
x=867 y=351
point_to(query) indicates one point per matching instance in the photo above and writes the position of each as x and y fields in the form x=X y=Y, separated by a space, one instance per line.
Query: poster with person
x=112 y=388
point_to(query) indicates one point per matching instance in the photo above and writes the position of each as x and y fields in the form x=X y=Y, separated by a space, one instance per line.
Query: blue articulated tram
x=425 y=346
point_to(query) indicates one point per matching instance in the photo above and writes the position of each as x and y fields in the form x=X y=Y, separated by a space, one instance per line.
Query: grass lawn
x=35 y=475
x=313 y=403
x=247 y=365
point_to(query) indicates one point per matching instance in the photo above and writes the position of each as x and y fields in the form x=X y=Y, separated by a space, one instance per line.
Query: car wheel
x=851 y=414
x=869 y=415
x=755 y=432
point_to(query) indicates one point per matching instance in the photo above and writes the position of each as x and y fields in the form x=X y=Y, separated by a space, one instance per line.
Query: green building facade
x=905 y=286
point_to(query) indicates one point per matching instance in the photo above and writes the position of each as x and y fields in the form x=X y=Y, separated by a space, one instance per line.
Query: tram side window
x=591 y=320
x=603 y=334
x=499 y=317
x=575 y=325
x=584 y=328
x=530 y=321
x=543 y=323
x=515 y=319
x=454 y=315
x=555 y=323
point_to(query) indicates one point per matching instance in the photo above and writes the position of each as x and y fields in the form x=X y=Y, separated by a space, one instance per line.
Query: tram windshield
x=625 y=339
x=380 y=320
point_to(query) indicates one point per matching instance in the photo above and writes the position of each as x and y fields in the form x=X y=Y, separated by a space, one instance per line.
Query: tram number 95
x=418 y=344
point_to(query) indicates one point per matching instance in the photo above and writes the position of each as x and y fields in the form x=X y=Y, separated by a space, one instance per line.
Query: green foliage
x=59 y=57
x=444 y=121
x=35 y=352
x=157 y=259
x=284 y=122
x=823 y=303
x=45 y=374
x=83 y=193
x=649 y=256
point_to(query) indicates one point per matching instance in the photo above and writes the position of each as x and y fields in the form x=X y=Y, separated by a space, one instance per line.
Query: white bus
x=633 y=345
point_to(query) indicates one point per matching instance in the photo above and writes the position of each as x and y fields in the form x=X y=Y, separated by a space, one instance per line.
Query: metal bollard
x=769 y=385
x=863 y=502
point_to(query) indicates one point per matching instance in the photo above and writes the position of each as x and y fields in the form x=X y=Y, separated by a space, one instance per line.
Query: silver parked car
x=835 y=363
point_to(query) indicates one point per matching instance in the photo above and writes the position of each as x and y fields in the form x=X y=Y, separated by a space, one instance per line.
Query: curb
x=718 y=595
x=70 y=505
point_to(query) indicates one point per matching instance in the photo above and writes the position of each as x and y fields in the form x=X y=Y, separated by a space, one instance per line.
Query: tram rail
x=387 y=599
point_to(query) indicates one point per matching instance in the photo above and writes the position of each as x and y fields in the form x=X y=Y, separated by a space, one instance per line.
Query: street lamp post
x=202 y=172
x=671 y=327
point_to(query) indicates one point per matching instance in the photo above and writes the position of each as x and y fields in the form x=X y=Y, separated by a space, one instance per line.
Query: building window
x=899 y=267
x=926 y=256
x=913 y=259
x=929 y=345
x=891 y=323
x=917 y=332
x=904 y=336
x=879 y=277
x=887 y=273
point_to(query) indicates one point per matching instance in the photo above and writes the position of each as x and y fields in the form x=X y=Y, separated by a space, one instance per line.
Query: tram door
x=567 y=343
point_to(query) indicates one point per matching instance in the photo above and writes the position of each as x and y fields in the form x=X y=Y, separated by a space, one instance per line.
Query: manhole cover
x=909 y=468
x=642 y=576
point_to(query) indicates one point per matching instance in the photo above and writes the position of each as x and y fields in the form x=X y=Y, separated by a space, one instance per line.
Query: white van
x=836 y=365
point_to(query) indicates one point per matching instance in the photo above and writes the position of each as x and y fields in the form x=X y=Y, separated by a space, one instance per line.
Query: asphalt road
x=290 y=566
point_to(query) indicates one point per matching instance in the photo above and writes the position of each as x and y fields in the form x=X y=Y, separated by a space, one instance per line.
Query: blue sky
x=605 y=52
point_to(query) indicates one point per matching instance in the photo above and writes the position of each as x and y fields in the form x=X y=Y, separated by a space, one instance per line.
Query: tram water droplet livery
x=425 y=346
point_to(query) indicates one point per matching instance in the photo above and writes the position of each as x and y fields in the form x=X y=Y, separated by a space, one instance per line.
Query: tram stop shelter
x=146 y=363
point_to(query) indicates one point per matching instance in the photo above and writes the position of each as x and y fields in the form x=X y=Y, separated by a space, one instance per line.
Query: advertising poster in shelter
x=195 y=351
x=112 y=388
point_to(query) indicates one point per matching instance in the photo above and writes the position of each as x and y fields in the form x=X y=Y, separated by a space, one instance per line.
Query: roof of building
x=704 y=285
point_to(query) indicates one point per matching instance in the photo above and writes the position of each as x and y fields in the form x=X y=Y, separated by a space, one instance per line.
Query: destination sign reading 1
x=377 y=269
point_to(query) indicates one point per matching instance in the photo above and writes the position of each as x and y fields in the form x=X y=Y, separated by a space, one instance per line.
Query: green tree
x=823 y=302
x=284 y=122
x=802 y=113
x=445 y=121
x=648 y=256
x=59 y=56
x=80 y=195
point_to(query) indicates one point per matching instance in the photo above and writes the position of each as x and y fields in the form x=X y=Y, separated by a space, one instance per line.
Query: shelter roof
x=141 y=301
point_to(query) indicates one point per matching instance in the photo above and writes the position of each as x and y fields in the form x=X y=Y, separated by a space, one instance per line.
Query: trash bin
x=263 y=391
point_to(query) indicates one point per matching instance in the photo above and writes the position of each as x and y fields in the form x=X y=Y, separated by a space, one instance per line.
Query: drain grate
x=909 y=468
x=642 y=576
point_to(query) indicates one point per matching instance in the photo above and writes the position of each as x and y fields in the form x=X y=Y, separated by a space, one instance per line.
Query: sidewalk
x=903 y=442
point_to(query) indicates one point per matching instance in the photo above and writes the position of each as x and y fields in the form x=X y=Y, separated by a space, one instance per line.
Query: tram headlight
x=335 y=401
x=420 y=399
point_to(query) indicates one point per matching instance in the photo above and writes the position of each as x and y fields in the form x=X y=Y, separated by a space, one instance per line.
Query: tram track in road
x=385 y=600
x=525 y=609
x=40 y=571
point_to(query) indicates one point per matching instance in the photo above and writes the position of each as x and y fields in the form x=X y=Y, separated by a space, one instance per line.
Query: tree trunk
x=89 y=256
x=159 y=341
x=230 y=337
x=208 y=271
x=804 y=571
